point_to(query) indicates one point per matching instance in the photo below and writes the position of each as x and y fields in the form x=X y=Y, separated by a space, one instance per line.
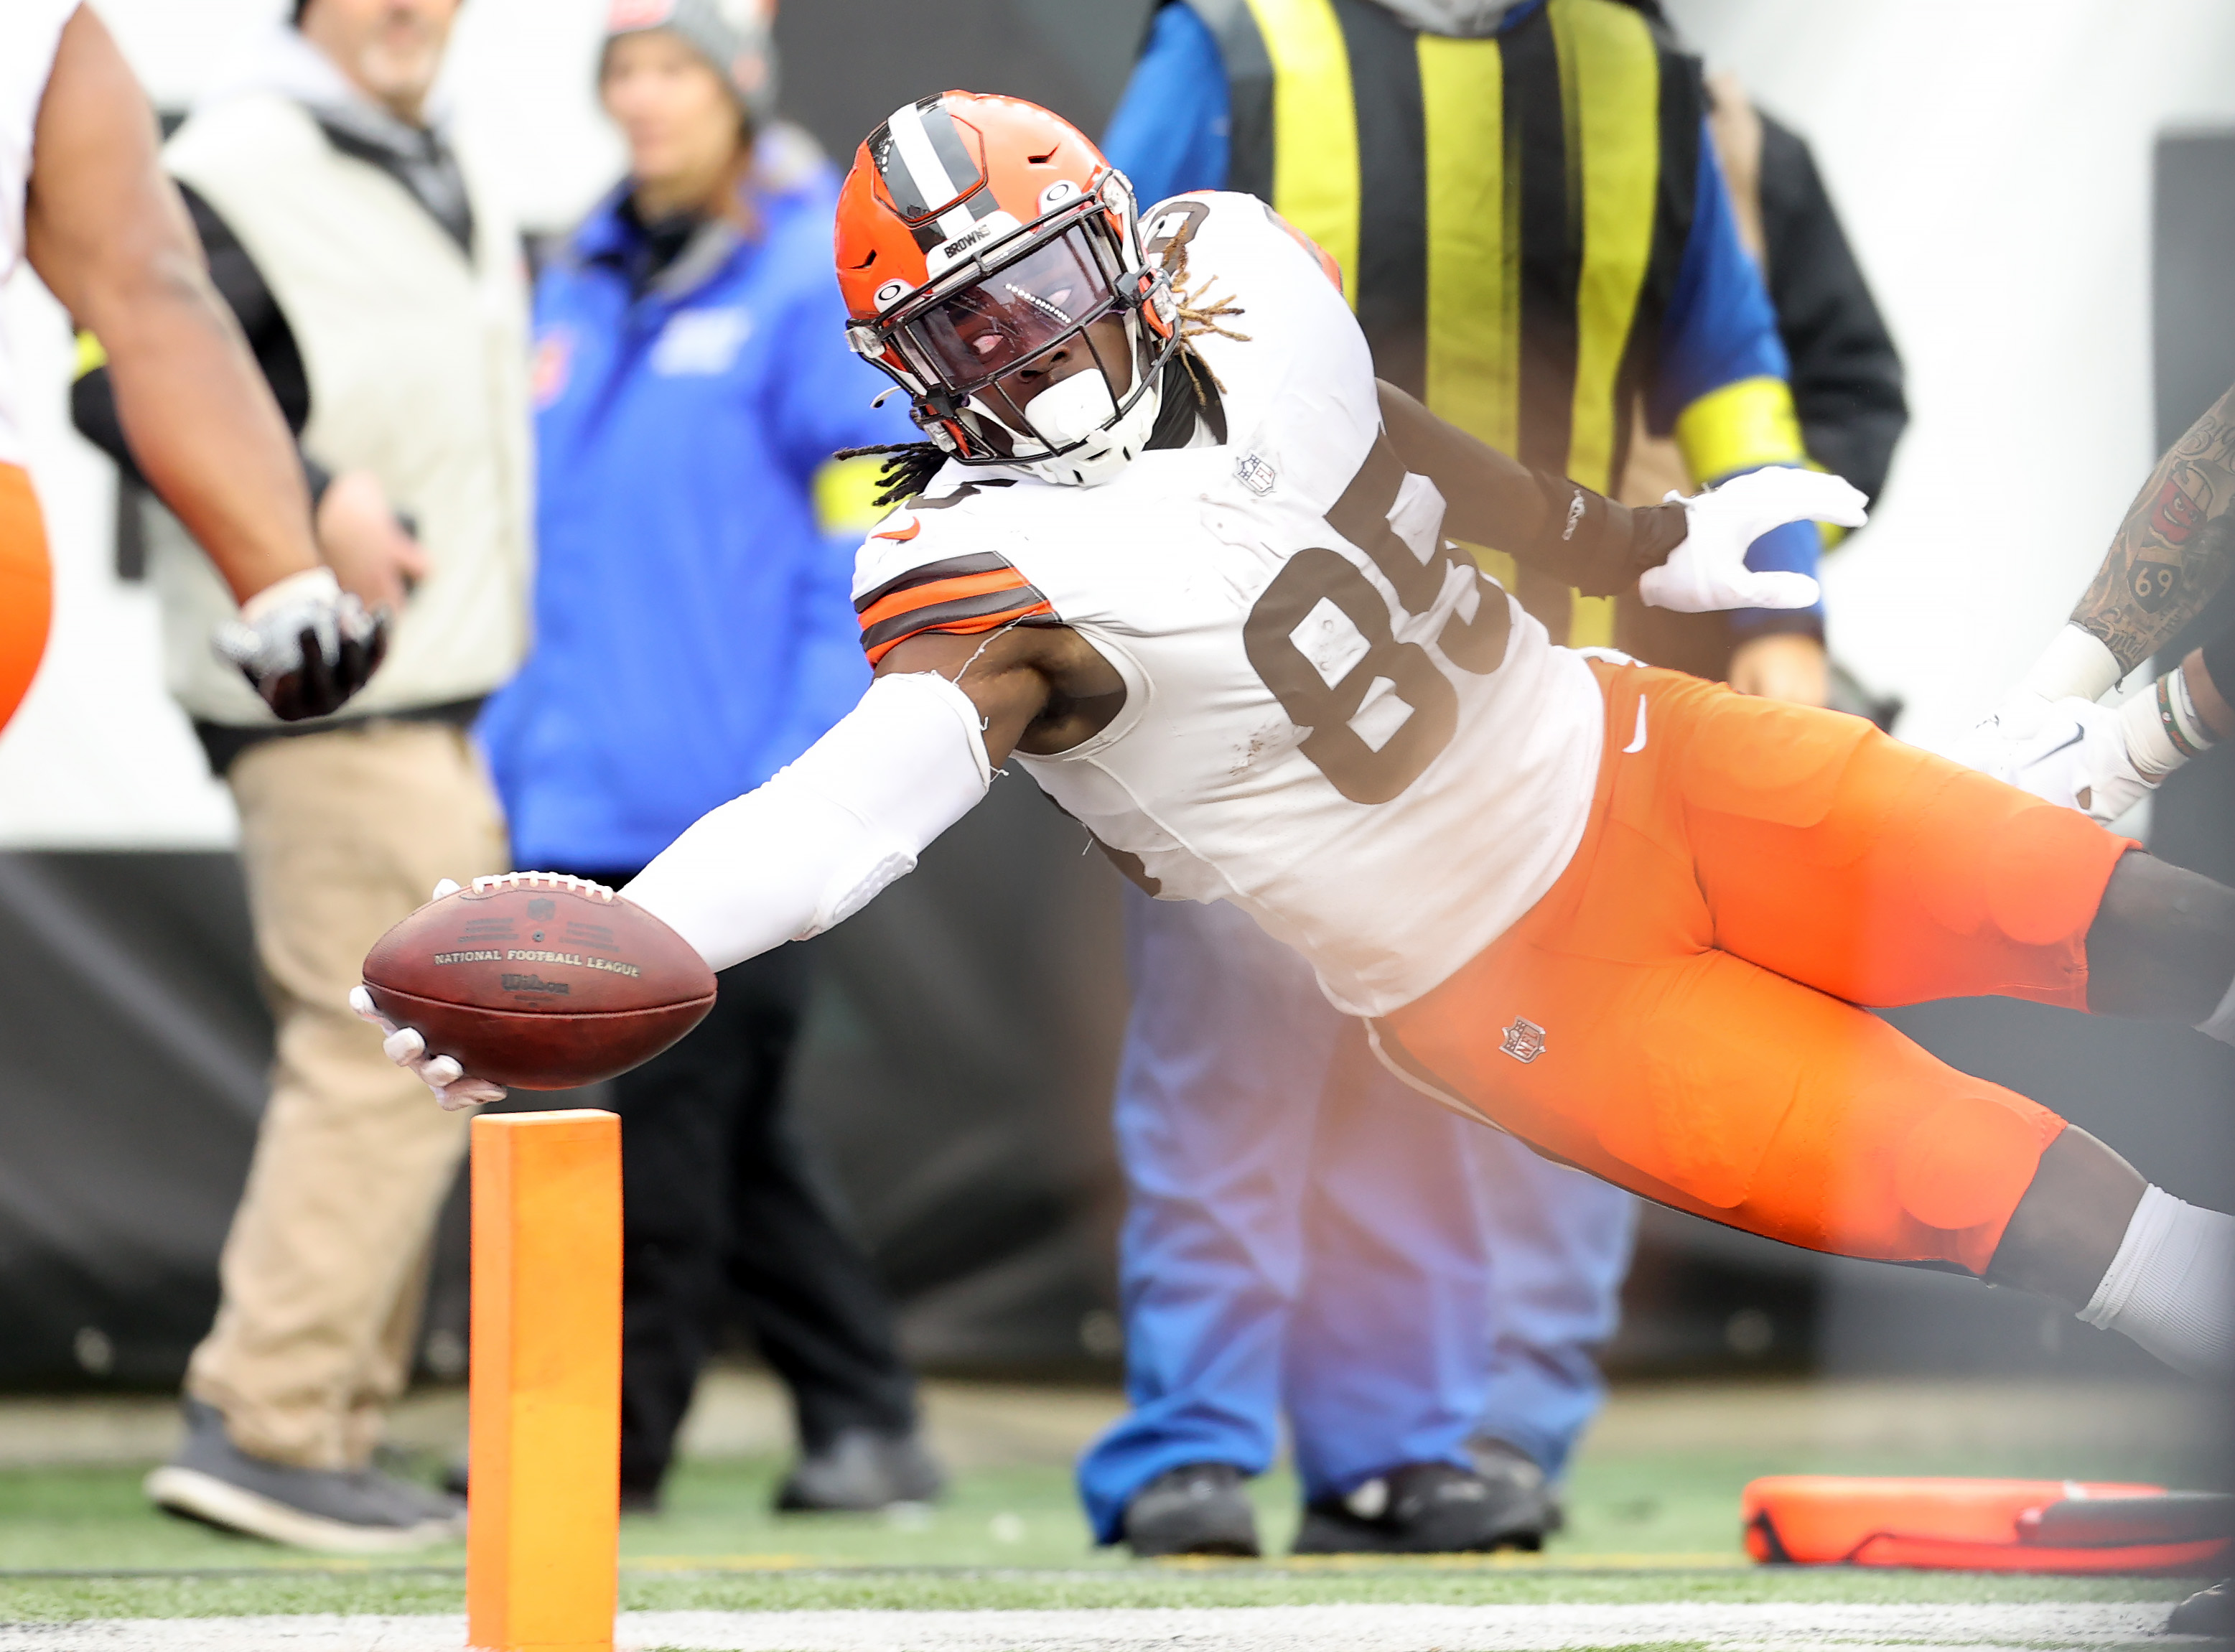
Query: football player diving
x=1170 y=547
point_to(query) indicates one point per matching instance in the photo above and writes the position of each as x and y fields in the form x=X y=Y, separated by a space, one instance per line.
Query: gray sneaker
x=357 y=1511
x=860 y=1471
x=1195 y=1508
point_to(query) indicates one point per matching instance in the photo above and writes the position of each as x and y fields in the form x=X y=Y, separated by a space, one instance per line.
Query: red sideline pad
x=1983 y=1525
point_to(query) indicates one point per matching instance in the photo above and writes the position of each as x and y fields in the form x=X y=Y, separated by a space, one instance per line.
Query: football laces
x=541 y=880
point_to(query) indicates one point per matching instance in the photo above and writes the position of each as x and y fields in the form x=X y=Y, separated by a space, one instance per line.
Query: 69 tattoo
x=2174 y=551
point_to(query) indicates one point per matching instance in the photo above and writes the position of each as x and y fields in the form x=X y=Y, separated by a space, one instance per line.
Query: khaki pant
x=323 y=1272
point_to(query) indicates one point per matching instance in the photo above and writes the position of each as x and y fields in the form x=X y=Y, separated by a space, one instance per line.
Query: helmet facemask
x=1041 y=348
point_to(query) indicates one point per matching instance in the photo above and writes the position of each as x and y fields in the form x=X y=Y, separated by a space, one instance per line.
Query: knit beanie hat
x=731 y=34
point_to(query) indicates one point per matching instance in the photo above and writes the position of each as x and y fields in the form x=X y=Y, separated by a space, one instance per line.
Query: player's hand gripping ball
x=530 y=979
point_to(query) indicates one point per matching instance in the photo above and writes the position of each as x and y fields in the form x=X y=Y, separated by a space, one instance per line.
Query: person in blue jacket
x=1423 y=1297
x=692 y=380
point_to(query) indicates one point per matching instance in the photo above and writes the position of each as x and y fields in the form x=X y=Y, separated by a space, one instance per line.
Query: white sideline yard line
x=1738 y=1627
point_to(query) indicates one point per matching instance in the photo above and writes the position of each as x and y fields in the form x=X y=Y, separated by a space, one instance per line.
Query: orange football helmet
x=980 y=241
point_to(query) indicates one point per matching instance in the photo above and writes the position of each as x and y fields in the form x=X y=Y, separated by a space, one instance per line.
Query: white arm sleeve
x=817 y=843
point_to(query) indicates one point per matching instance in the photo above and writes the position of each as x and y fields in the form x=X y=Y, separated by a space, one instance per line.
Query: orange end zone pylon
x=1985 y=1524
x=544 y=1459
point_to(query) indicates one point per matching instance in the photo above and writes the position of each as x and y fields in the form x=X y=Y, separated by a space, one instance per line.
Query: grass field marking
x=1337 y=1627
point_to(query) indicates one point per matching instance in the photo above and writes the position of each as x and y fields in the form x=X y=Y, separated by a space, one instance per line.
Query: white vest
x=29 y=30
x=417 y=362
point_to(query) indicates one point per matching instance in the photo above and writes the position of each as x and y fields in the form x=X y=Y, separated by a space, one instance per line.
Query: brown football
x=538 y=981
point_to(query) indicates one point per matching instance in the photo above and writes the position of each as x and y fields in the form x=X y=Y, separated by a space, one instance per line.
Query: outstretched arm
x=851 y=813
x=1689 y=554
x=815 y=844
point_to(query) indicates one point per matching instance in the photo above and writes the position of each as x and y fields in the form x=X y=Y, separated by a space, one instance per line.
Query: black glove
x=305 y=645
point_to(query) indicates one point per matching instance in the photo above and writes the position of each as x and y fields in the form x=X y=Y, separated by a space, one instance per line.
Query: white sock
x=2170 y=1285
x=2222 y=1024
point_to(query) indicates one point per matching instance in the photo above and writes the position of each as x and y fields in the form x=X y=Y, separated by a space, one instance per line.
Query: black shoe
x=1420 y=1509
x=346 y=1512
x=860 y=1472
x=1534 y=1511
x=2207 y=1612
x=1195 y=1508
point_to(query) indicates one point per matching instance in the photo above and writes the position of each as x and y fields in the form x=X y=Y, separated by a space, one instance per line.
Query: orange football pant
x=26 y=588
x=1678 y=1013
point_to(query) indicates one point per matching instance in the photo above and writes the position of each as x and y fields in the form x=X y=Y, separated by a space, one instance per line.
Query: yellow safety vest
x=1509 y=214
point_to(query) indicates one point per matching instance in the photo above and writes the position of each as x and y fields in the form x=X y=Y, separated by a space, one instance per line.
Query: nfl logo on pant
x=1524 y=1039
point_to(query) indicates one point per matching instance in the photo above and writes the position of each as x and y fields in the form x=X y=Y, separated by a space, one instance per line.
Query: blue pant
x=1305 y=1233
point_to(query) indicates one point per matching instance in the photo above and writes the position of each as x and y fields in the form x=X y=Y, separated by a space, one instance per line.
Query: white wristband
x=2149 y=747
x=311 y=586
x=2077 y=663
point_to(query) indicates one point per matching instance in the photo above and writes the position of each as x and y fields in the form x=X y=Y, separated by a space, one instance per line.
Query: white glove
x=2071 y=753
x=403 y=1045
x=1995 y=744
x=1709 y=570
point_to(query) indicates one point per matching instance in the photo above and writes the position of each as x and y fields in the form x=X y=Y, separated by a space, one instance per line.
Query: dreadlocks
x=908 y=467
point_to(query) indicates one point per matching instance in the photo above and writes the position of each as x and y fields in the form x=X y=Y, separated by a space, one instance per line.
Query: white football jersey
x=29 y=30
x=1332 y=718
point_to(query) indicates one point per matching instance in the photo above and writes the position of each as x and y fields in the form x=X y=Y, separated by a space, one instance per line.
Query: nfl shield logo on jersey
x=1524 y=1039
x=1254 y=474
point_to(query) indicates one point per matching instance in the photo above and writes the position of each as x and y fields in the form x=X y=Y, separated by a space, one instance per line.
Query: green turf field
x=1652 y=1517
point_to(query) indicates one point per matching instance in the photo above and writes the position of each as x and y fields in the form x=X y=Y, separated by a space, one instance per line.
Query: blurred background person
x=1844 y=371
x=692 y=381
x=381 y=284
x=1428 y=1313
x=84 y=199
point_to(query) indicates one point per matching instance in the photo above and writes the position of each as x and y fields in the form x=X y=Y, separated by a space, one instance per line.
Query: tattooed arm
x=2174 y=551
x=2171 y=556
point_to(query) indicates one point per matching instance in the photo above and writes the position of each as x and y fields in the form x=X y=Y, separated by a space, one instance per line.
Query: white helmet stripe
x=933 y=183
